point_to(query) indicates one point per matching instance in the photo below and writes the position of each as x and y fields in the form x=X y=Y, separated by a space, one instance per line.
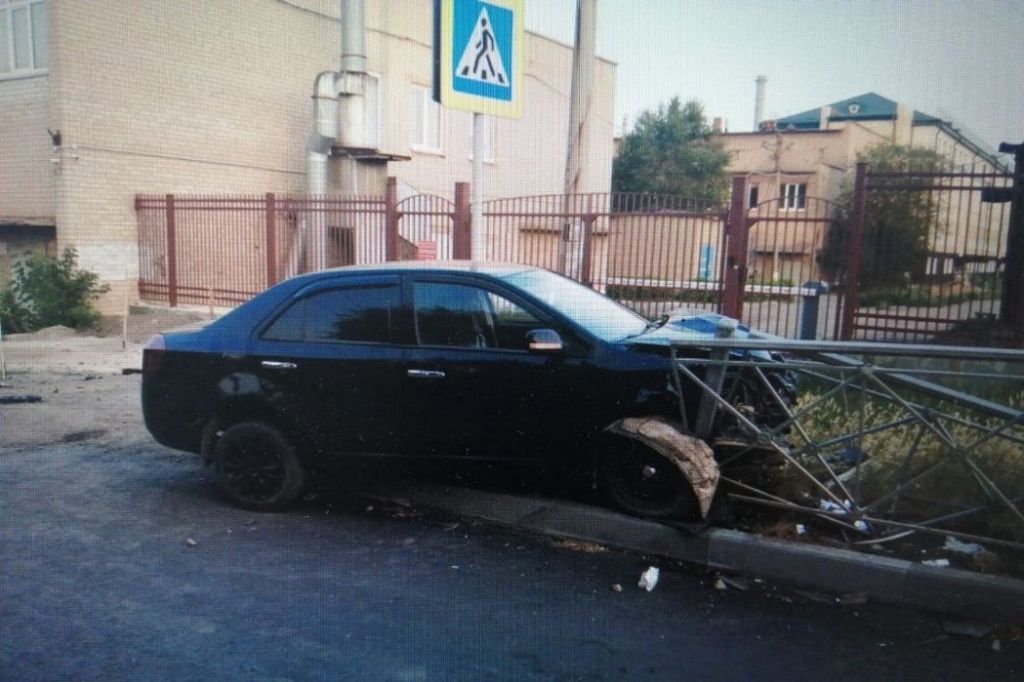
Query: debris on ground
x=720 y=585
x=967 y=628
x=941 y=563
x=801 y=529
x=616 y=587
x=649 y=578
x=17 y=399
x=579 y=546
x=968 y=548
x=735 y=582
x=190 y=542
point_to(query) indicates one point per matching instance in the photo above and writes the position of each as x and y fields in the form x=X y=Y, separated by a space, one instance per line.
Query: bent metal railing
x=882 y=442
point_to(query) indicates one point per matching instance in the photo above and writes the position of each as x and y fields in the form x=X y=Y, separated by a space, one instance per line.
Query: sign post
x=478 y=67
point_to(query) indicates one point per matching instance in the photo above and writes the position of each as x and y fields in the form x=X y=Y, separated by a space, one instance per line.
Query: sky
x=960 y=60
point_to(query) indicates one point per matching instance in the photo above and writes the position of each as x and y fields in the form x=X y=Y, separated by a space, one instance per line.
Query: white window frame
x=374 y=133
x=7 y=9
x=421 y=100
x=791 y=198
x=488 y=156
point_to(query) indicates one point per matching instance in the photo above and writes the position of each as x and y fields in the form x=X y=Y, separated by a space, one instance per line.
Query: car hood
x=691 y=328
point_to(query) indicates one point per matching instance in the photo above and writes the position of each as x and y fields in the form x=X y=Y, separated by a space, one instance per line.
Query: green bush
x=50 y=291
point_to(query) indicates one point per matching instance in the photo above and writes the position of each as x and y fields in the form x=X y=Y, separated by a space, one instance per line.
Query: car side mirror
x=544 y=341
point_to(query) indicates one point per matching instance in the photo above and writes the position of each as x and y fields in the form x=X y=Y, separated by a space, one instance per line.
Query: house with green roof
x=798 y=164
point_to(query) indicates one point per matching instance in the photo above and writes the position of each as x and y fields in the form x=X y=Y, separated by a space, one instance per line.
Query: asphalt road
x=99 y=581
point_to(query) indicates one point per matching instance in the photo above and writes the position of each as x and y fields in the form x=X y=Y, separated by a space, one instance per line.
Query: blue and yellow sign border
x=447 y=54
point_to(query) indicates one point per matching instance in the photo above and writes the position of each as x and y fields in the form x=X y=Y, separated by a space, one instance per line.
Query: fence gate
x=783 y=290
x=427 y=229
x=947 y=268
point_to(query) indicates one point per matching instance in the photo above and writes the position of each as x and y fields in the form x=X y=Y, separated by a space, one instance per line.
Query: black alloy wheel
x=644 y=483
x=257 y=468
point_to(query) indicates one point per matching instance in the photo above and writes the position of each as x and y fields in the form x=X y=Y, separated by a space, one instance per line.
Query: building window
x=374 y=109
x=488 y=138
x=23 y=36
x=752 y=196
x=425 y=116
x=794 y=196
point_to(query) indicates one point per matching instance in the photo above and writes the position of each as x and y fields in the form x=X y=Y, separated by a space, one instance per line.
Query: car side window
x=511 y=322
x=346 y=314
x=469 y=317
x=452 y=315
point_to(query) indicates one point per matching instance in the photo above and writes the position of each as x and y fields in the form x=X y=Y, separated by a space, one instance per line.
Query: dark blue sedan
x=430 y=360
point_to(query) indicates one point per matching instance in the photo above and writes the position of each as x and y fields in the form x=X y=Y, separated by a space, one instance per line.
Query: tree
x=672 y=151
x=897 y=221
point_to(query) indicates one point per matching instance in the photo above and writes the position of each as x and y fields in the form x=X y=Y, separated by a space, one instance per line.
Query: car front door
x=473 y=389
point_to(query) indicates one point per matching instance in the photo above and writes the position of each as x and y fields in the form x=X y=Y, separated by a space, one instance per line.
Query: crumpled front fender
x=690 y=454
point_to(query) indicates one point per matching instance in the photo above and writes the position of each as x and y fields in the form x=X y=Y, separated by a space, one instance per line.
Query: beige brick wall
x=26 y=174
x=214 y=96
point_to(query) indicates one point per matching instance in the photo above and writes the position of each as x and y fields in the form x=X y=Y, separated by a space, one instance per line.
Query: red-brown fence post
x=1011 y=309
x=462 y=235
x=172 y=255
x=734 y=279
x=586 y=269
x=854 y=251
x=271 y=207
x=391 y=219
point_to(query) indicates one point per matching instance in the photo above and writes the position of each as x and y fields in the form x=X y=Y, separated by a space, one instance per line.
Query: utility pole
x=581 y=91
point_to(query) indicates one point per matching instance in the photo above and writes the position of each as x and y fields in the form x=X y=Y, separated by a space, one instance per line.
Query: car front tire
x=257 y=467
x=644 y=483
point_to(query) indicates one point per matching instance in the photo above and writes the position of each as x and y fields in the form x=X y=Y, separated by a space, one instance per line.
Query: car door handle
x=425 y=374
x=272 y=364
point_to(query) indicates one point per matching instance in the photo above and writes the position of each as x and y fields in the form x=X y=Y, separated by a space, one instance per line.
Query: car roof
x=421 y=266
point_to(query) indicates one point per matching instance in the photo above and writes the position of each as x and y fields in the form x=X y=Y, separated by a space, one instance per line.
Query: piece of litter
x=451 y=527
x=968 y=548
x=720 y=585
x=455 y=568
x=369 y=508
x=649 y=578
x=862 y=526
x=801 y=529
x=830 y=506
x=997 y=645
x=941 y=563
x=190 y=542
x=967 y=628
x=616 y=588
x=735 y=582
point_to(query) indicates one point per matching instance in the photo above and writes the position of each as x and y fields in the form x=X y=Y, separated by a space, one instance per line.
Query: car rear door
x=329 y=362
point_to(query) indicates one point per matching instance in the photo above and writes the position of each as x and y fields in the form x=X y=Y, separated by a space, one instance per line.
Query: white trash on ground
x=649 y=578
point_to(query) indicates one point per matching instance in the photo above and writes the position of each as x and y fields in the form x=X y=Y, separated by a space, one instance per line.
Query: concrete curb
x=882 y=579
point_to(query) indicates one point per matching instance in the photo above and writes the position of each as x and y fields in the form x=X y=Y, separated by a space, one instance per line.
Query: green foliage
x=50 y=291
x=672 y=151
x=897 y=221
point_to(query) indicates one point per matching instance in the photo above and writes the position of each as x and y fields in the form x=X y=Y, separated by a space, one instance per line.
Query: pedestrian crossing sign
x=478 y=56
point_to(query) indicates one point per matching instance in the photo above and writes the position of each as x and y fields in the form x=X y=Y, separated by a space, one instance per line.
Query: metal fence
x=767 y=265
x=927 y=251
x=224 y=250
x=879 y=442
x=653 y=253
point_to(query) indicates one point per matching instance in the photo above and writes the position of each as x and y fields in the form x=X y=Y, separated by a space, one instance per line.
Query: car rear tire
x=257 y=467
x=644 y=483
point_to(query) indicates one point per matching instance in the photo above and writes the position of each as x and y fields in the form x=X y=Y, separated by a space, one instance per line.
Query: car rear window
x=360 y=314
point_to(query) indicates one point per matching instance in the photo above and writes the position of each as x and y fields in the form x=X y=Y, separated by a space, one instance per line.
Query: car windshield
x=596 y=313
